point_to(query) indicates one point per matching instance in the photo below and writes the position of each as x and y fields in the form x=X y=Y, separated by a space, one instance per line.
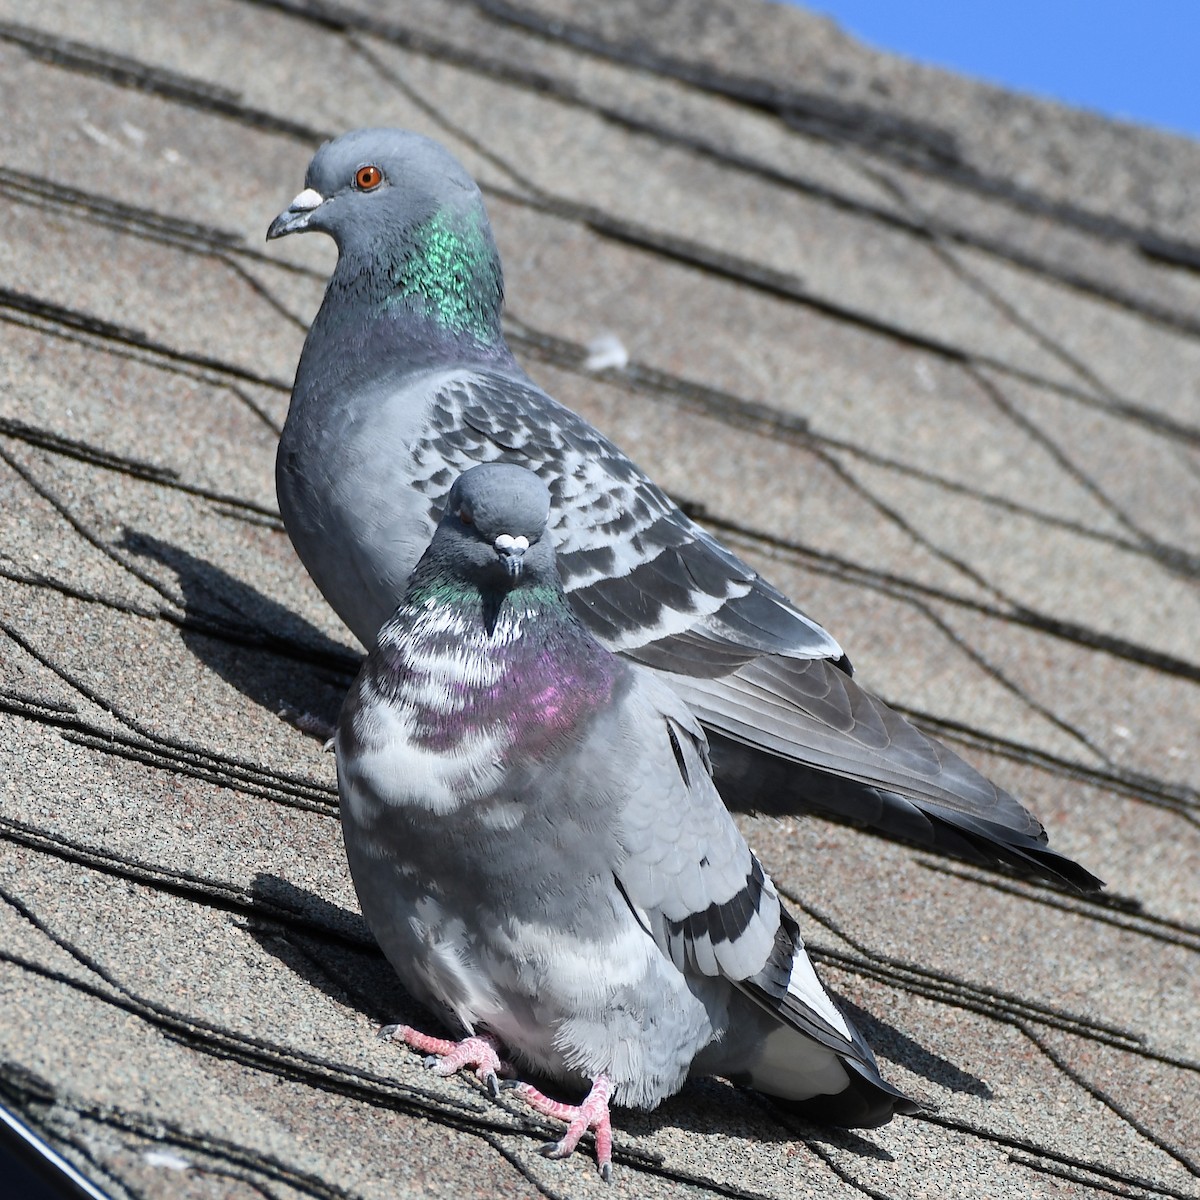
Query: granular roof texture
x=925 y=352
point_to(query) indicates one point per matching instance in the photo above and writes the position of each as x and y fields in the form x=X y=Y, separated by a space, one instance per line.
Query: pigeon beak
x=511 y=551
x=295 y=218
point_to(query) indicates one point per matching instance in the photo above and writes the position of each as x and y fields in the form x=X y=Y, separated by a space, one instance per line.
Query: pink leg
x=446 y=1056
x=591 y=1114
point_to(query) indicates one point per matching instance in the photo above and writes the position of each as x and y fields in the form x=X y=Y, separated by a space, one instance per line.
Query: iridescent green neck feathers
x=451 y=274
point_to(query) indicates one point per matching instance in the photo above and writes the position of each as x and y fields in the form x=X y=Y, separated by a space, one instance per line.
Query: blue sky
x=1136 y=59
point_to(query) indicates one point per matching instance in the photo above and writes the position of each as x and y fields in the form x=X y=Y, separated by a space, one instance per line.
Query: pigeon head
x=410 y=227
x=371 y=183
x=494 y=527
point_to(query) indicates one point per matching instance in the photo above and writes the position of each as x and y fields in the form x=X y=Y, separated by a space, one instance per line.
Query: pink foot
x=446 y=1056
x=591 y=1114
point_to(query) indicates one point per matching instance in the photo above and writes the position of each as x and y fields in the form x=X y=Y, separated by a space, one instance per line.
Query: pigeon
x=539 y=849
x=406 y=380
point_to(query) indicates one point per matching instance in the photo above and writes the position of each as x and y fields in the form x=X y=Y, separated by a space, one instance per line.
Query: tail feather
x=753 y=780
x=806 y=1053
x=866 y=1102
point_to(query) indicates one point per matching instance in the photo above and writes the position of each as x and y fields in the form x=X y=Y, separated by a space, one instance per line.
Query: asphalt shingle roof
x=926 y=352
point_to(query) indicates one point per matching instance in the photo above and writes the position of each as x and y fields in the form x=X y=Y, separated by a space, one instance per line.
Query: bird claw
x=444 y=1057
x=591 y=1114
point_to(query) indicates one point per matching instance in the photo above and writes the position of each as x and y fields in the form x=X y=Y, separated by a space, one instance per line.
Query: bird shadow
x=331 y=949
x=271 y=655
x=897 y=1046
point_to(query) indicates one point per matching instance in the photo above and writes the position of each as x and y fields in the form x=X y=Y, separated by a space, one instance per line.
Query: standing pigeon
x=406 y=380
x=539 y=849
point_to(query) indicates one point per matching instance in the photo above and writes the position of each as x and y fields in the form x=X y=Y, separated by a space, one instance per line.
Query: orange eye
x=465 y=517
x=367 y=178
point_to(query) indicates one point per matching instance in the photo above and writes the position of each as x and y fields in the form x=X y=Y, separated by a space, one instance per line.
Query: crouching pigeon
x=538 y=847
x=406 y=381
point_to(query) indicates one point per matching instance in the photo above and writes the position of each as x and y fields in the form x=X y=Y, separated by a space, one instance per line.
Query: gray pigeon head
x=494 y=526
x=370 y=183
x=414 y=243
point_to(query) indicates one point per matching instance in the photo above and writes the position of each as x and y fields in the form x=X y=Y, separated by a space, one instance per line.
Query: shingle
x=1069 y=157
x=922 y=351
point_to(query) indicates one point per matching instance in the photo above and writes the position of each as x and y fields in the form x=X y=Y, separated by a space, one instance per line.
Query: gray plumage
x=537 y=844
x=405 y=381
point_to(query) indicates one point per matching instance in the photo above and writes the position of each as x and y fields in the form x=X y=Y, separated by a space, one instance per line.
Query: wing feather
x=705 y=898
x=628 y=523
x=795 y=732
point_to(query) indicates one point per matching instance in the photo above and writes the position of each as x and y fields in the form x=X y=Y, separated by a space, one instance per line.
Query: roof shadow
x=330 y=948
x=267 y=652
x=899 y=1047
